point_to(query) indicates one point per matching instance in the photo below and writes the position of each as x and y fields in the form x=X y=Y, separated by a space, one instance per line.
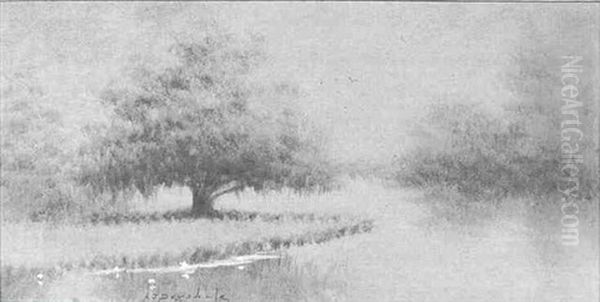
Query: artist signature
x=175 y=297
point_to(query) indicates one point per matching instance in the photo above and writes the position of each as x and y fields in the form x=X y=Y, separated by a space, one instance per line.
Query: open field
x=419 y=256
x=37 y=246
x=62 y=251
x=291 y=215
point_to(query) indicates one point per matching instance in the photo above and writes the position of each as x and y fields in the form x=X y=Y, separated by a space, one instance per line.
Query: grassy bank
x=147 y=238
x=160 y=243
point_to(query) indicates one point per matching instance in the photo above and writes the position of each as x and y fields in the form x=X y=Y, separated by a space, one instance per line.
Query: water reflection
x=220 y=280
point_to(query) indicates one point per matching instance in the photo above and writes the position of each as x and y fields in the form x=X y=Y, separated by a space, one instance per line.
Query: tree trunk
x=202 y=203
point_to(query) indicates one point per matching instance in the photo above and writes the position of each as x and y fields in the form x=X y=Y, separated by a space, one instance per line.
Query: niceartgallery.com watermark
x=571 y=137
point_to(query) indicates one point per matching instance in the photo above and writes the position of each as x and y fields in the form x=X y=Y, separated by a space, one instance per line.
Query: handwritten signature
x=199 y=296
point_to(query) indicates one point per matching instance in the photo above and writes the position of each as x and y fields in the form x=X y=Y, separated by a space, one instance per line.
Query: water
x=219 y=280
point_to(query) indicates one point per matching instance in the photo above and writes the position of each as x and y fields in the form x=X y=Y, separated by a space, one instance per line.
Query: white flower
x=40 y=278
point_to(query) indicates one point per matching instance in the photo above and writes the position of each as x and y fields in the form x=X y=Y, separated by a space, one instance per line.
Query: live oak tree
x=203 y=123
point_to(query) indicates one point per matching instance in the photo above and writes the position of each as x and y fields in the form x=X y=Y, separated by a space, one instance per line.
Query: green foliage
x=204 y=124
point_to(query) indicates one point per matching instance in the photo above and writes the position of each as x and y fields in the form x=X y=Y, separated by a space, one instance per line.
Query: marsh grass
x=278 y=280
x=159 y=243
x=145 y=238
x=19 y=281
x=499 y=256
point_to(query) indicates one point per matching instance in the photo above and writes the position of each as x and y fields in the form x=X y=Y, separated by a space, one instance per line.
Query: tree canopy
x=203 y=123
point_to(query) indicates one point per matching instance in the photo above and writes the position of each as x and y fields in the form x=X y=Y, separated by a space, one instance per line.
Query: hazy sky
x=366 y=71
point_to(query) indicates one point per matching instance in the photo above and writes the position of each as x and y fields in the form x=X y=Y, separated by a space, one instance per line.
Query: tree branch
x=232 y=189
